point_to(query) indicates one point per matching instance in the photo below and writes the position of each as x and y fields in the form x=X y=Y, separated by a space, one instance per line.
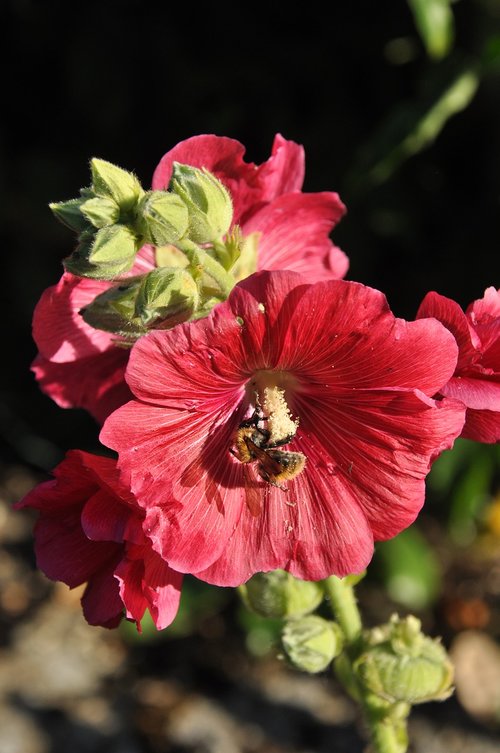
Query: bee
x=252 y=445
x=275 y=466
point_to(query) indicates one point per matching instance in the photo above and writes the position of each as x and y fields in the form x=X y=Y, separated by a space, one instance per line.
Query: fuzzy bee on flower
x=256 y=443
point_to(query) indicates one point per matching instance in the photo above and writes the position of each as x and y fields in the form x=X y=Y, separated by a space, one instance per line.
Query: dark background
x=125 y=82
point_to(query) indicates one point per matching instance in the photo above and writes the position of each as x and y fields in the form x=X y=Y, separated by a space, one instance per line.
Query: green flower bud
x=207 y=200
x=114 y=310
x=69 y=213
x=112 y=182
x=311 y=642
x=163 y=218
x=160 y=299
x=228 y=252
x=400 y=663
x=108 y=254
x=166 y=298
x=100 y=212
x=279 y=595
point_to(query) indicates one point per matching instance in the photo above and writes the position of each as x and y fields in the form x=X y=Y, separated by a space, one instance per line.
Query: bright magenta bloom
x=90 y=531
x=476 y=381
x=357 y=379
x=79 y=366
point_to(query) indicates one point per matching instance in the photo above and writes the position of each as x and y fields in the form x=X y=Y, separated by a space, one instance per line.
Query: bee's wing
x=269 y=463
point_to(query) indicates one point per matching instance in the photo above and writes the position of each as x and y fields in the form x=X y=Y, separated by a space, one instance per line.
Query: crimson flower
x=329 y=355
x=79 y=366
x=90 y=531
x=476 y=380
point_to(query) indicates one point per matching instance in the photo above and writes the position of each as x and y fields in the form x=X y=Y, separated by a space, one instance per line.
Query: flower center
x=270 y=427
x=270 y=392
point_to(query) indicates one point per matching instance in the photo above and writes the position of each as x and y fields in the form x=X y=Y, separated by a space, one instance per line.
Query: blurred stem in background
x=447 y=87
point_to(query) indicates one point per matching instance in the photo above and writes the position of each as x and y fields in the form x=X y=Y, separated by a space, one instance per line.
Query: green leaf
x=410 y=569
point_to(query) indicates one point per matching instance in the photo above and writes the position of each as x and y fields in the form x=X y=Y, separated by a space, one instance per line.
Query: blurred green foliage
x=461 y=488
x=410 y=569
x=435 y=23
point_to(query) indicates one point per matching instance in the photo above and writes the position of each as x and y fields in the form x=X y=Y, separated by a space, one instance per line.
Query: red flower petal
x=355 y=341
x=294 y=235
x=146 y=582
x=130 y=576
x=101 y=601
x=476 y=381
x=482 y=426
x=64 y=553
x=162 y=590
x=284 y=171
x=183 y=456
x=105 y=518
x=90 y=529
x=451 y=315
x=474 y=393
x=96 y=383
x=486 y=307
x=58 y=328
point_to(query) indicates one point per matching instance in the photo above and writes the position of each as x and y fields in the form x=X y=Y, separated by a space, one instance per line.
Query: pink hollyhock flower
x=267 y=199
x=476 y=380
x=79 y=366
x=90 y=531
x=330 y=356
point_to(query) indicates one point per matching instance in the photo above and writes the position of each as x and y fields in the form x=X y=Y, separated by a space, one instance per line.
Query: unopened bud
x=69 y=213
x=400 y=663
x=311 y=642
x=100 y=212
x=114 y=310
x=279 y=595
x=207 y=200
x=162 y=218
x=113 y=182
x=108 y=254
x=166 y=298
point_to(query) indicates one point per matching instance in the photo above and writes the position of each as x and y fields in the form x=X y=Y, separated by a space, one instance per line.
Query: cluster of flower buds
x=398 y=663
x=395 y=662
x=188 y=225
x=310 y=642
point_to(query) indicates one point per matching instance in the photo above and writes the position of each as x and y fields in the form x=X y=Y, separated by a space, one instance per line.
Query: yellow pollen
x=280 y=423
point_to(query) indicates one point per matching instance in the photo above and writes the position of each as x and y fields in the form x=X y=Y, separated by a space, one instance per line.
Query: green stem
x=386 y=736
x=344 y=607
